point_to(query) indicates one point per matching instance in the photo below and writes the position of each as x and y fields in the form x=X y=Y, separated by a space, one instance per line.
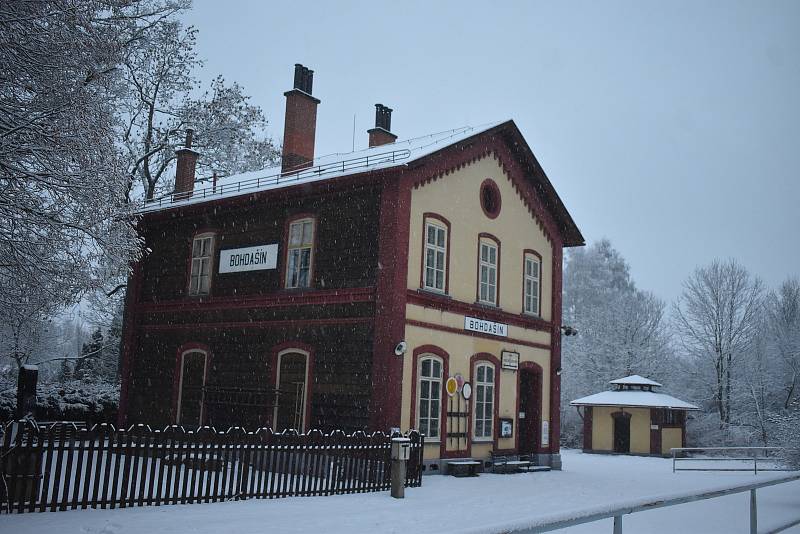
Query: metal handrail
x=651 y=504
x=243 y=186
x=754 y=457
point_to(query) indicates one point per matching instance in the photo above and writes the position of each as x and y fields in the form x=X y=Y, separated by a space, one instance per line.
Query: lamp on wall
x=400 y=348
x=569 y=330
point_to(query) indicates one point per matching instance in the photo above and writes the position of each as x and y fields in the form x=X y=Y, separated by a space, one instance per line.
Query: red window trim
x=418 y=352
x=490 y=184
x=486 y=235
x=273 y=377
x=525 y=253
x=213 y=264
x=176 y=379
x=435 y=216
x=475 y=359
x=285 y=256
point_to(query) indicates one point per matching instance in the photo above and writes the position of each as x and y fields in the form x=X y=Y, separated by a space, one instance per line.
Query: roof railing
x=255 y=184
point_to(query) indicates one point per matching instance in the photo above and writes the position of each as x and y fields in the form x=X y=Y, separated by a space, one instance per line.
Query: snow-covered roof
x=327 y=167
x=635 y=380
x=635 y=399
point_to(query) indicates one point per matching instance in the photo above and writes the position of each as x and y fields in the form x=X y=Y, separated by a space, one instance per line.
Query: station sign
x=256 y=258
x=474 y=324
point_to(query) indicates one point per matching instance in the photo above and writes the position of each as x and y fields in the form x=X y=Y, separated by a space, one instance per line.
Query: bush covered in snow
x=75 y=400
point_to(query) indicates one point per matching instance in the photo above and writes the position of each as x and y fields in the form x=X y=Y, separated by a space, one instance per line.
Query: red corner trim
x=129 y=342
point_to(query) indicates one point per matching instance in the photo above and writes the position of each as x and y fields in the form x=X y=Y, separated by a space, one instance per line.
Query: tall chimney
x=187 y=161
x=382 y=134
x=301 y=122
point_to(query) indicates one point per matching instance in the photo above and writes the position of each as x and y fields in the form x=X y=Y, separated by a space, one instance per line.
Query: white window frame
x=436 y=383
x=485 y=386
x=304 y=398
x=178 y=412
x=490 y=285
x=202 y=264
x=438 y=250
x=293 y=275
x=532 y=285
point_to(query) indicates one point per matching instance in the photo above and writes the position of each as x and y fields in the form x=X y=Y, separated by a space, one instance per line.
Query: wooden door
x=291 y=409
x=530 y=395
x=622 y=432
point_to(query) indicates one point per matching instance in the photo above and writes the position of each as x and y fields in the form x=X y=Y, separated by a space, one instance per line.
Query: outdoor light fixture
x=569 y=330
x=558 y=371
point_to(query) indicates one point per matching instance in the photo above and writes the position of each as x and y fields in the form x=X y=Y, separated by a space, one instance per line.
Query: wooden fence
x=61 y=466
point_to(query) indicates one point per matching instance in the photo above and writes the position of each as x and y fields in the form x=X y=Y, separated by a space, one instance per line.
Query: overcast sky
x=671 y=128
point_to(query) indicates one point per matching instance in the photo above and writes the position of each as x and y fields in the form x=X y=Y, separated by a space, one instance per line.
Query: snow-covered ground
x=447 y=504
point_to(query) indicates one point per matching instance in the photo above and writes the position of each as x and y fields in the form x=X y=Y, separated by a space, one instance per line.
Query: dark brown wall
x=340 y=377
x=346 y=254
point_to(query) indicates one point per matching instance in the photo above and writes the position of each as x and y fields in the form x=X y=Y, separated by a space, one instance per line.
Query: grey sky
x=673 y=128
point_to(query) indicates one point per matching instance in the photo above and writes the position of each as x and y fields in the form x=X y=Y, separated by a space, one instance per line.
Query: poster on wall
x=506 y=427
x=545 y=433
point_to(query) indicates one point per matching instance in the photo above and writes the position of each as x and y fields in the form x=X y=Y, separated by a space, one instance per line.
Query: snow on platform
x=487 y=503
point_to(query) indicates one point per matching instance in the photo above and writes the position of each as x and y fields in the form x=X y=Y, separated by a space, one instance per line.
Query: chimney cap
x=383 y=117
x=187 y=143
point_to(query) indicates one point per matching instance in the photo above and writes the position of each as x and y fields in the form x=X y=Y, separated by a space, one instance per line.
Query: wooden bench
x=463 y=468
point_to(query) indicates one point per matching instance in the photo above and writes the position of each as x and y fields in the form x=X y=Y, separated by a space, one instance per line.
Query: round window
x=490 y=198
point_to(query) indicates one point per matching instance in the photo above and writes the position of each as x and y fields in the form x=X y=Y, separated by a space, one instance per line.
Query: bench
x=463 y=468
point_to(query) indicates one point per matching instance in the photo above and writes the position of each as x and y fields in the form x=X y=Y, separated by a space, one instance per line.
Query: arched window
x=488 y=269
x=300 y=253
x=202 y=264
x=429 y=407
x=193 y=370
x=436 y=240
x=484 y=400
x=291 y=384
x=532 y=283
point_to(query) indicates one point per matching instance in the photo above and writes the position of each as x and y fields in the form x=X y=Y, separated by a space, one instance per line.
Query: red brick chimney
x=382 y=134
x=187 y=160
x=301 y=122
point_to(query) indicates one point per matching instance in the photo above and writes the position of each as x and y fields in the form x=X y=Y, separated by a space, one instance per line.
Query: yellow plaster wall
x=460 y=348
x=670 y=437
x=456 y=197
x=603 y=429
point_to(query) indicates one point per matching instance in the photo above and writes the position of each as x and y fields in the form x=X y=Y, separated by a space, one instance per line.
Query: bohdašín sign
x=485 y=327
x=248 y=259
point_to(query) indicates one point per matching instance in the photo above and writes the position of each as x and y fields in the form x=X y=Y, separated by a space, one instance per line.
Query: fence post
x=617 y=524
x=673 y=460
x=753 y=513
x=401 y=448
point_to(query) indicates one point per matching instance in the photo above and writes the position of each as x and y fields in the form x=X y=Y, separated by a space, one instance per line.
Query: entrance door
x=290 y=411
x=190 y=400
x=622 y=432
x=530 y=393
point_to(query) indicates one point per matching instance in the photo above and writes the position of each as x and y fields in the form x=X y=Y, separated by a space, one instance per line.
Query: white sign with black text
x=509 y=360
x=474 y=324
x=256 y=258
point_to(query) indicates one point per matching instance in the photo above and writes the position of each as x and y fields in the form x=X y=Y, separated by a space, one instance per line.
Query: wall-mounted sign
x=509 y=360
x=256 y=258
x=506 y=427
x=485 y=327
x=466 y=391
x=545 y=433
x=451 y=386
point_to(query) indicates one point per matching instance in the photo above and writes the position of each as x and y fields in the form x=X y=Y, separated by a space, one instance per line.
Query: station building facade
x=414 y=284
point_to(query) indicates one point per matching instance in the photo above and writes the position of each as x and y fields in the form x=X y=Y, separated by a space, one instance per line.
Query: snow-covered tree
x=65 y=225
x=717 y=319
x=159 y=107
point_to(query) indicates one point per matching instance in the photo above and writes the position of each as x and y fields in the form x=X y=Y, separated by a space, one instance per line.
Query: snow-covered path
x=447 y=504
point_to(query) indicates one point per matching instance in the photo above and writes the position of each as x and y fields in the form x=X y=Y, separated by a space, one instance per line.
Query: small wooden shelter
x=633 y=419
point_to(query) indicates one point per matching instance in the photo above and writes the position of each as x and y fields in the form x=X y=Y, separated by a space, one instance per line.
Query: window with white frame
x=202 y=251
x=435 y=257
x=300 y=248
x=484 y=401
x=533 y=273
x=487 y=290
x=430 y=397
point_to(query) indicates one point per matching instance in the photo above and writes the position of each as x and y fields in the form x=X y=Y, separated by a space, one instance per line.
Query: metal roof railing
x=281 y=178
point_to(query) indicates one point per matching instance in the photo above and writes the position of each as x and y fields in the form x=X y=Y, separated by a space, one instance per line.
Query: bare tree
x=158 y=107
x=783 y=312
x=717 y=318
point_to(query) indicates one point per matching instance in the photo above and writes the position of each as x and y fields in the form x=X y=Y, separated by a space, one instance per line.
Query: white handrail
x=650 y=504
x=754 y=450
